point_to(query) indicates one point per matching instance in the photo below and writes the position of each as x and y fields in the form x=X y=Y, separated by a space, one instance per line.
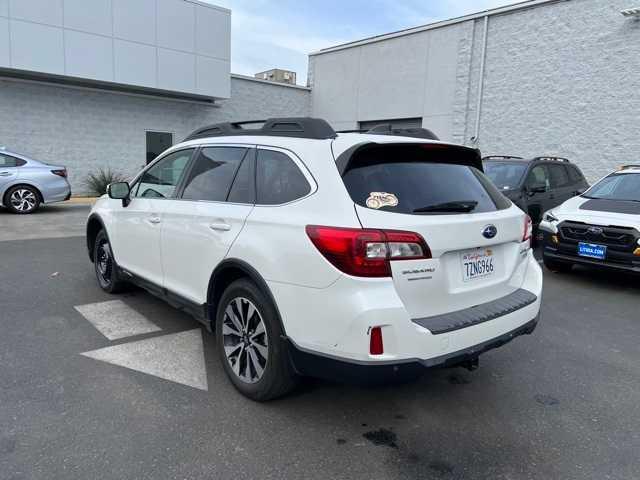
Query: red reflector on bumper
x=375 y=341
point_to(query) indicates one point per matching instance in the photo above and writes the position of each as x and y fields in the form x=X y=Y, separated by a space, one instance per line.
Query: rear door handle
x=225 y=227
x=154 y=219
x=5 y=174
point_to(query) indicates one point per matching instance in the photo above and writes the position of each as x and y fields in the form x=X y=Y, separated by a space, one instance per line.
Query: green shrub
x=97 y=182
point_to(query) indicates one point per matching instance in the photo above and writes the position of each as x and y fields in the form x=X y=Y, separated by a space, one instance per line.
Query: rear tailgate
x=443 y=283
x=474 y=233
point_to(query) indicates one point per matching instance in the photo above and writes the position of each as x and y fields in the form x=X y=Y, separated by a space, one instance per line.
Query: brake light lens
x=61 y=173
x=366 y=252
x=528 y=229
x=376 y=347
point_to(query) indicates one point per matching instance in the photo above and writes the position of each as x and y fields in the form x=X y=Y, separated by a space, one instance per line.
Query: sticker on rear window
x=381 y=199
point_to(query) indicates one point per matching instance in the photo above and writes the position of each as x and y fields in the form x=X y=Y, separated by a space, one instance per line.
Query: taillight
x=366 y=252
x=376 y=346
x=61 y=173
x=528 y=229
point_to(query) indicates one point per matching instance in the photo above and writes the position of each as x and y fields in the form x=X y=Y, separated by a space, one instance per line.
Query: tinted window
x=505 y=175
x=574 y=174
x=278 y=179
x=623 y=186
x=559 y=176
x=160 y=181
x=538 y=176
x=211 y=176
x=421 y=186
x=243 y=189
x=7 y=161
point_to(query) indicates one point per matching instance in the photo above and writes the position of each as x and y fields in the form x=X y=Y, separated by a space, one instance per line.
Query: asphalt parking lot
x=99 y=386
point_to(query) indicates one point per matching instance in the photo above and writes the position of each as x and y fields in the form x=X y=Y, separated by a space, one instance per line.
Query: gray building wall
x=174 y=45
x=561 y=78
x=90 y=129
x=405 y=77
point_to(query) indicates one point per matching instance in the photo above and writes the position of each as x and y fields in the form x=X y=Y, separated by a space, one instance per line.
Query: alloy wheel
x=245 y=341
x=23 y=200
x=104 y=264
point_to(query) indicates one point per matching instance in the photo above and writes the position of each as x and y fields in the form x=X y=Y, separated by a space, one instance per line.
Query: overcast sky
x=280 y=33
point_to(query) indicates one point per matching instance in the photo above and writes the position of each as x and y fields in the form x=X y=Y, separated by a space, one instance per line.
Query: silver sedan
x=26 y=183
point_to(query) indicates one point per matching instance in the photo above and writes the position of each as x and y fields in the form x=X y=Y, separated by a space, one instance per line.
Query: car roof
x=339 y=144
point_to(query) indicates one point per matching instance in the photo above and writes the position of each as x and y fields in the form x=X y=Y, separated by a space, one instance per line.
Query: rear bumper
x=313 y=364
x=56 y=191
x=339 y=328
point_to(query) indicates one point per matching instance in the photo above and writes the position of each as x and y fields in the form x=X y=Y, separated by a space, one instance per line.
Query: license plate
x=592 y=250
x=477 y=263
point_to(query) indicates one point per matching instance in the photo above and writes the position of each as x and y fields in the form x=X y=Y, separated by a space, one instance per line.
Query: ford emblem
x=489 y=231
x=595 y=230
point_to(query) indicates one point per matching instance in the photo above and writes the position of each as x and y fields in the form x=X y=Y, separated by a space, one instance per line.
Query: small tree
x=97 y=182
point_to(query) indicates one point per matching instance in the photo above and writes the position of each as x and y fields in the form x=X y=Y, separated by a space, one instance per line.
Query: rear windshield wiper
x=463 y=206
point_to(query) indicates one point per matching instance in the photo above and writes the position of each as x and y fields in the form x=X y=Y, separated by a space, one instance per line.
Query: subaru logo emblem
x=595 y=230
x=489 y=231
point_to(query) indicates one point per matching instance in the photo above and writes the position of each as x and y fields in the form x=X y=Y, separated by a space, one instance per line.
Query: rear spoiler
x=441 y=152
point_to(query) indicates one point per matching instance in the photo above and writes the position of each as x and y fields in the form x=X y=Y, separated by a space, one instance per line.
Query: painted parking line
x=178 y=357
x=115 y=319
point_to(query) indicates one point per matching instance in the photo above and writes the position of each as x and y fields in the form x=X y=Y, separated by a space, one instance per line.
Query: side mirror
x=119 y=191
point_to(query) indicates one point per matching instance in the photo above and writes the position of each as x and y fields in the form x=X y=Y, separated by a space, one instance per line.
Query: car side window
x=7 y=161
x=278 y=179
x=161 y=180
x=538 y=176
x=243 y=189
x=559 y=176
x=574 y=174
x=213 y=173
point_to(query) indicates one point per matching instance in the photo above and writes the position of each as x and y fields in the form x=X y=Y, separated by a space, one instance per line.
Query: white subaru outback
x=350 y=256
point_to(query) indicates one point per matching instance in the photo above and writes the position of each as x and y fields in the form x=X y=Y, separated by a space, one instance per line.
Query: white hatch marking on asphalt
x=178 y=357
x=115 y=319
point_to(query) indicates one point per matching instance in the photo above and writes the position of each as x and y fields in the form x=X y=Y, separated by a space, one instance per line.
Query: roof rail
x=502 y=157
x=552 y=158
x=299 y=127
x=628 y=167
x=416 y=132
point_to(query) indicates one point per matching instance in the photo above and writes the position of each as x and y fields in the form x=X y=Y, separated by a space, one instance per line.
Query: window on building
x=160 y=181
x=278 y=179
x=212 y=174
x=395 y=123
x=157 y=142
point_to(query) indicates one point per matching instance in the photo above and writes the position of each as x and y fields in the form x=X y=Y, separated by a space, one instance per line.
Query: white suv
x=352 y=256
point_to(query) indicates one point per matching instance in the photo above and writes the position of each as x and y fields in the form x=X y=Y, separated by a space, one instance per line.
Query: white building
x=111 y=83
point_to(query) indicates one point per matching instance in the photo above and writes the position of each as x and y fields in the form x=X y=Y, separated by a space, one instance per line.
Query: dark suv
x=535 y=185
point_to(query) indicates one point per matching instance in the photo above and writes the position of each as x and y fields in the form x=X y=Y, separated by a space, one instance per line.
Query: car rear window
x=419 y=181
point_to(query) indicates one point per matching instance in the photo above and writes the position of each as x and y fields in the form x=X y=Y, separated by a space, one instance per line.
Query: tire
x=22 y=199
x=244 y=354
x=555 y=266
x=105 y=265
